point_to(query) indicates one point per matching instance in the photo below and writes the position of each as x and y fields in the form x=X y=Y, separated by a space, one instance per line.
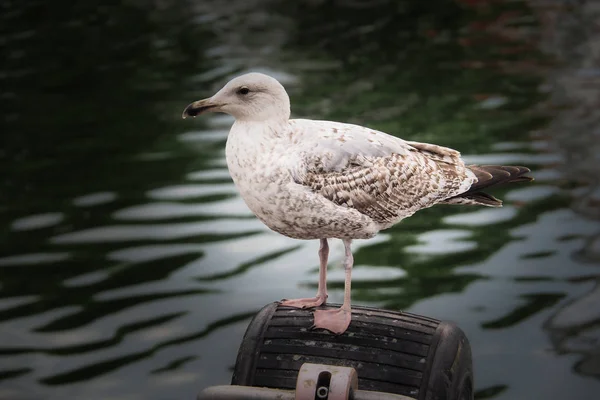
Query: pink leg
x=322 y=289
x=338 y=320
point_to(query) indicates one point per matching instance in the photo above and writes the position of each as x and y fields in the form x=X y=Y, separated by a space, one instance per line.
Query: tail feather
x=488 y=176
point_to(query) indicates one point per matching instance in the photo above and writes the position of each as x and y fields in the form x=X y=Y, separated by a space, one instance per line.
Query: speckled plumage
x=311 y=179
x=314 y=179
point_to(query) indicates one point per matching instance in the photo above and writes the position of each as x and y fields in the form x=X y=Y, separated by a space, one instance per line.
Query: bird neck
x=267 y=117
x=272 y=127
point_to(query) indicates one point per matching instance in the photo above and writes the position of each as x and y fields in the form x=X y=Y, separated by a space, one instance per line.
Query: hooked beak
x=199 y=107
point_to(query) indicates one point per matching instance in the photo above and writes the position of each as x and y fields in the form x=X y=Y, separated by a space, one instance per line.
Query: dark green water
x=130 y=268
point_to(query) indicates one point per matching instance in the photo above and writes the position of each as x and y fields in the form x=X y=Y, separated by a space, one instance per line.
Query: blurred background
x=130 y=267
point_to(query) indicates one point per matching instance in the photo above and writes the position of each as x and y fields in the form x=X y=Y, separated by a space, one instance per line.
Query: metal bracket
x=325 y=382
x=314 y=382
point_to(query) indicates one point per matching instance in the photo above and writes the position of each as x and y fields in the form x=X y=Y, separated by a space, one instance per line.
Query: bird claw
x=282 y=301
x=335 y=321
x=304 y=303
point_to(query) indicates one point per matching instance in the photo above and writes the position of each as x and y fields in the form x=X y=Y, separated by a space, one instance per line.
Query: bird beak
x=199 y=107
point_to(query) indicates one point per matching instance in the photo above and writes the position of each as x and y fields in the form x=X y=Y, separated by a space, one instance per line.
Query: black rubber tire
x=393 y=352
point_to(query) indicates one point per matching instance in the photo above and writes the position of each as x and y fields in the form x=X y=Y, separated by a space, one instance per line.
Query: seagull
x=311 y=179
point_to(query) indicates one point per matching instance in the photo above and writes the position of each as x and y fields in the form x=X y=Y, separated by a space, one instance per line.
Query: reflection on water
x=37 y=221
x=130 y=267
x=573 y=328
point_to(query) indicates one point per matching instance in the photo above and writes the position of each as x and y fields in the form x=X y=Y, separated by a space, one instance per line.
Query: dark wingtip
x=521 y=175
x=522 y=179
x=493 y=175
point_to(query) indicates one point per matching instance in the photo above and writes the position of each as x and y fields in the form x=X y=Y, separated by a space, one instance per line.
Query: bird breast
x=256 y=168
x=260 y=170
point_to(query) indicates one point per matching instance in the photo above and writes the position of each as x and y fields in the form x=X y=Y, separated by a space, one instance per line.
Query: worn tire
x=394 y=352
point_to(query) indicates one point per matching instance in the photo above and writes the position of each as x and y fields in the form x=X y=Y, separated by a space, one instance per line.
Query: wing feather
x=377 y=174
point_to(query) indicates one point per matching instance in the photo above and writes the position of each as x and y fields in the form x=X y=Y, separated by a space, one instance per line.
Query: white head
x=250 y=97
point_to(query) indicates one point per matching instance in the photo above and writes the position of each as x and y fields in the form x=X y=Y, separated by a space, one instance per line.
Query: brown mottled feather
x=384 y=177
x=438 y=153
x=390 y=188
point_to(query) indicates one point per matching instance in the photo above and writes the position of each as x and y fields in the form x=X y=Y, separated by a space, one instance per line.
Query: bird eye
x=243 y=90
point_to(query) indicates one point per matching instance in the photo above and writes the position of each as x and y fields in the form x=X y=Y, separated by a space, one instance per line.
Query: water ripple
x=233 y=207
x=183 y=192
x=38 y=221
x=443 y=242
x=153 y=252
x=124 y=233
x=95 y=199
x=33 y=259
x=483 y=217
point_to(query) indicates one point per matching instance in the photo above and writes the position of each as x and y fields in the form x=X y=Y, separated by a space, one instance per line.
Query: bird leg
x=338 y=320
x=322 y=289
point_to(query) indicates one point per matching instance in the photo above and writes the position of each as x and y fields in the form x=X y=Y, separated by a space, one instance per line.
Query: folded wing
x=377 y=174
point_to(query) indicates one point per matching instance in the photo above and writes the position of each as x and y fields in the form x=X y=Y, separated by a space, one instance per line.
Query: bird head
x=249 y=97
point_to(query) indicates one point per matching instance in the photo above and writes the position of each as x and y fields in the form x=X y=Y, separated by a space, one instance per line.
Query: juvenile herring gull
x=310 y=179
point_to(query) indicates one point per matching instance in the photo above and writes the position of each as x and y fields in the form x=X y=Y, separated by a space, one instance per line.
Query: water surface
x=130 y=267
